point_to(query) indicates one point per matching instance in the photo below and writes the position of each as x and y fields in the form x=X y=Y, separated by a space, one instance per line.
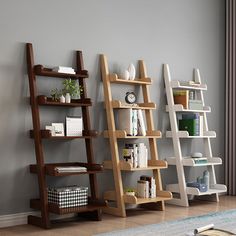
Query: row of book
x=146 y=187
x=136 y=154
x=188 y=99
x=132 y=121
x=193 y=123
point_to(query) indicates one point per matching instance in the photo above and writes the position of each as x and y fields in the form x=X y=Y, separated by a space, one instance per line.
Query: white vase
x=132 y=72
x=62 y=99
x=68 y=98
x=125 y=74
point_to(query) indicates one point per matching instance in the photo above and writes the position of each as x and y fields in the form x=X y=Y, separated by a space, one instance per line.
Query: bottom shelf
x=53 y=208
x=217 y=188
x=161 y=196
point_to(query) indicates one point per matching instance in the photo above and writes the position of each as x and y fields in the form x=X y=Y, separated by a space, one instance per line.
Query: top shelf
x=42 y=71
x=137 y=81
x=175 y=84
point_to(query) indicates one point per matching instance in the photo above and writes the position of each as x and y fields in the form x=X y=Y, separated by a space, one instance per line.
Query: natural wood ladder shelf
x=115 y=164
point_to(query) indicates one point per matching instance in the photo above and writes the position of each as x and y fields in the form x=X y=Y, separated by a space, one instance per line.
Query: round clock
x=130 y=97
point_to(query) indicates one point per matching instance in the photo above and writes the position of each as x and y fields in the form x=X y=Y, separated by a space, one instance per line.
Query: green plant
x=129 y=190
x=72 y=87
x=55 y=93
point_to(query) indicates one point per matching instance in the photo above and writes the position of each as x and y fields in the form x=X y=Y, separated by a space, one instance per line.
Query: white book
x=135 y=122
x=74 y=126
x=64 y=69
x=70 y=169
x=125 y=120
x=141 y=155
x=135 y=161
x=141 y=124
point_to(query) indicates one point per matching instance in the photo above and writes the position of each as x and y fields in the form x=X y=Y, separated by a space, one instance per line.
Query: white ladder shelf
x=180 y=161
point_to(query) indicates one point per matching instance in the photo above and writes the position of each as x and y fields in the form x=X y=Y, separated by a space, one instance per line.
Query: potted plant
x=71 y=88
x=130 y=191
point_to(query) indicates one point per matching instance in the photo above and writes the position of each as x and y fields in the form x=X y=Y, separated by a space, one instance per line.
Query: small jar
x=68 y=98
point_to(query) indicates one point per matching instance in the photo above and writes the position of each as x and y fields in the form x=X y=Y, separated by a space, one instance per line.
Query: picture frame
x=58 y=129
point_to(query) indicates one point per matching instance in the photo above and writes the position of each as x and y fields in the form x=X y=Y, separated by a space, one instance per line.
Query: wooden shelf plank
x=125 y=166
x=188 y=161
x=185 y=134
x=217 y=188
x=142 y=106
x=47 y=101
x=176 y=84
x=42 y=71
x=137 y=81
x=180 y=108
x=161 y=196
x=46 y=134
x=123 y=134
x=50 y=168
x=53 y=208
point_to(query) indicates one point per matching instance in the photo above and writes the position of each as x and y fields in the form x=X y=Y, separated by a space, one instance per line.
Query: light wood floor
x=135 y=218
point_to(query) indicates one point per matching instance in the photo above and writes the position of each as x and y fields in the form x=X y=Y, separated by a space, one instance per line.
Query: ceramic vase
x=131 y=70
x=68 y=98
x=125 y=75
x=62 y=99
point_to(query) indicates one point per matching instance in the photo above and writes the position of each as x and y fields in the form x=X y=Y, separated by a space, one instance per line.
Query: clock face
x=130 y=97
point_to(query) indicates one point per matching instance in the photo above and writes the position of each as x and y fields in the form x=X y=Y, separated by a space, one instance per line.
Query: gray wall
x=183 y=33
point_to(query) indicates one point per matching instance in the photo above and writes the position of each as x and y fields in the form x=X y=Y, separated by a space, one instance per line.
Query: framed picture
x=58 y=129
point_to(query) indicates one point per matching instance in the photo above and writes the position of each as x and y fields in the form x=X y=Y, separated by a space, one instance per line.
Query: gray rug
x=222 y=220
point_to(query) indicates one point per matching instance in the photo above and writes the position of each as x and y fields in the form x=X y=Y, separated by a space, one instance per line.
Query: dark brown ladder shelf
x=41 y=169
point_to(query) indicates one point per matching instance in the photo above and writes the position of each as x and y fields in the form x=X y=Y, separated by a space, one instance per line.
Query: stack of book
x=146 y=187
x=193 y=123
x=64 y=69
x=131 y=121
x=70 y=169
x=136 y=154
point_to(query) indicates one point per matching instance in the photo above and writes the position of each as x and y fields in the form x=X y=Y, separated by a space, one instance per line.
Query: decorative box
x=68 y=197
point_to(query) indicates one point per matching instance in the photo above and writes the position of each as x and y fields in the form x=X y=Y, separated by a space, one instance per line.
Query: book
x=142 y=155
x=64 y=69
x=71 y=169
x=125 y=120
x=189 y=125
x=189 y=83
x=143 y=189
x=136 y=154
x=135 y=122
x=141 y=124
x=151 y=184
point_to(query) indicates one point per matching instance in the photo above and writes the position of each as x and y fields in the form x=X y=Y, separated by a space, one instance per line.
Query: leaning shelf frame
x=178 y=160
x=117 y=165
x=41 y=169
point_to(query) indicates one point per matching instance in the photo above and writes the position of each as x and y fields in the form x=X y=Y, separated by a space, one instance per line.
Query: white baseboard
x=22 y=218
x=15 y=219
